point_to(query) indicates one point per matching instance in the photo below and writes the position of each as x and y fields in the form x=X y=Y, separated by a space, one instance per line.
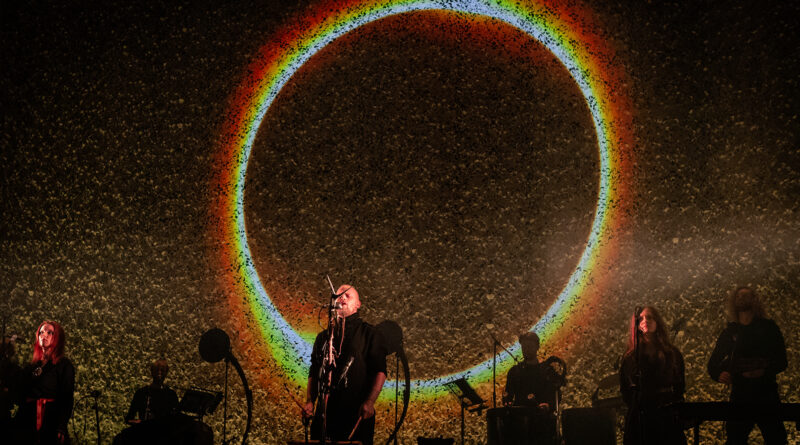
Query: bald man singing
x=360 y=355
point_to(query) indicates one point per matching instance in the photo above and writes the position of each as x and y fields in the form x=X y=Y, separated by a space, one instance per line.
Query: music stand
x=467 y=398
x=199 y=403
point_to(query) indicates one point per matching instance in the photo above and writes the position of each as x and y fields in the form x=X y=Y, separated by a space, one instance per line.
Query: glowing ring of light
x=554 y=26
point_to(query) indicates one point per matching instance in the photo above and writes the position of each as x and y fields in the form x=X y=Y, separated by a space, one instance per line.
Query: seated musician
x=155 y=400
x=652 y=378
x=531 y=383
x=152 y=410
x=748 y=355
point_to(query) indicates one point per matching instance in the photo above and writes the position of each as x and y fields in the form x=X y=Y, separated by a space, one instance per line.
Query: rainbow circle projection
x=561 y=27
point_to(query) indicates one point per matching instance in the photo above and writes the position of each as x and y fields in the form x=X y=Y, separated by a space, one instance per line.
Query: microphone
x=679 y=325
x=638 y=310
x=344 y=371
x=497 y=342
x=95 y=393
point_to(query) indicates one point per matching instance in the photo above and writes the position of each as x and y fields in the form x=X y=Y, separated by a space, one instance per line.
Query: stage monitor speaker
x=589 y=426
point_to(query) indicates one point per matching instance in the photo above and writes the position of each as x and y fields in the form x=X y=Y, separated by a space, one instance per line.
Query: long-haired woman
x=651 y=379
x=48 y=384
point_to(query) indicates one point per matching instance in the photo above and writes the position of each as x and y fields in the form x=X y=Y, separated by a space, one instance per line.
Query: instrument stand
x=494 y=373
x=396 y=390
x=392 y=335
x=225 y=405
x=214 y=346
x=467 y=398
x=559 y=431
x=558 y=380
x=97 y=415
x=462 y=423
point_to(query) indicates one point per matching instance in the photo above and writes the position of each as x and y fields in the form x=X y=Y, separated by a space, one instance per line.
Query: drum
x=518 y=425
x=170 y=430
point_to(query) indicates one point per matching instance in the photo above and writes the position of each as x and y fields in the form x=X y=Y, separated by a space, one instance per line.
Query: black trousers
x=773 y=431
x=341 y=424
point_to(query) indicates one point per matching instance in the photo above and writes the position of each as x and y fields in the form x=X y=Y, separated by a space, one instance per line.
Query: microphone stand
x=4 y=347
x=3 y=341
x=299 y=405
x=225 y=405
x=328 y=363
x=638 y=374
x=396 y=389
x=494 y=366
x=96 y=395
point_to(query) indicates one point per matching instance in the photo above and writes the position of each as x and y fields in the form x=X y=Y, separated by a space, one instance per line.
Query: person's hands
x=725 y=377
x=134 y=421
x=308 y=410
x=61 y=436
x=754 y=374
x=367 y=409
x=544 y=406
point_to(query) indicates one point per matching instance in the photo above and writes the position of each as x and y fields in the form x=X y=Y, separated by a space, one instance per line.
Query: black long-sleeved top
x=529 y=384
x=662 y=379
x=56 y=382
x=741 y=348
x=151 y=402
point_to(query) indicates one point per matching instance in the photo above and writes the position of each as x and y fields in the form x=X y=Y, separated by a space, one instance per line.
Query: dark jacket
x=363 y=344
x=741 y=348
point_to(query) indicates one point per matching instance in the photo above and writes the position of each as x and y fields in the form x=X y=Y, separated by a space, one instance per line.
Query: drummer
x=531 y=383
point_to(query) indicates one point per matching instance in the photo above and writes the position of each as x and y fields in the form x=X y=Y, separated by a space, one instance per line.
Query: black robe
x=363 y=344
x=57 y=383
x=663 y=383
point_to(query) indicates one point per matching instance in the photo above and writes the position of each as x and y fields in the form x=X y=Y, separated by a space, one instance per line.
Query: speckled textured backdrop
x=445 y=178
